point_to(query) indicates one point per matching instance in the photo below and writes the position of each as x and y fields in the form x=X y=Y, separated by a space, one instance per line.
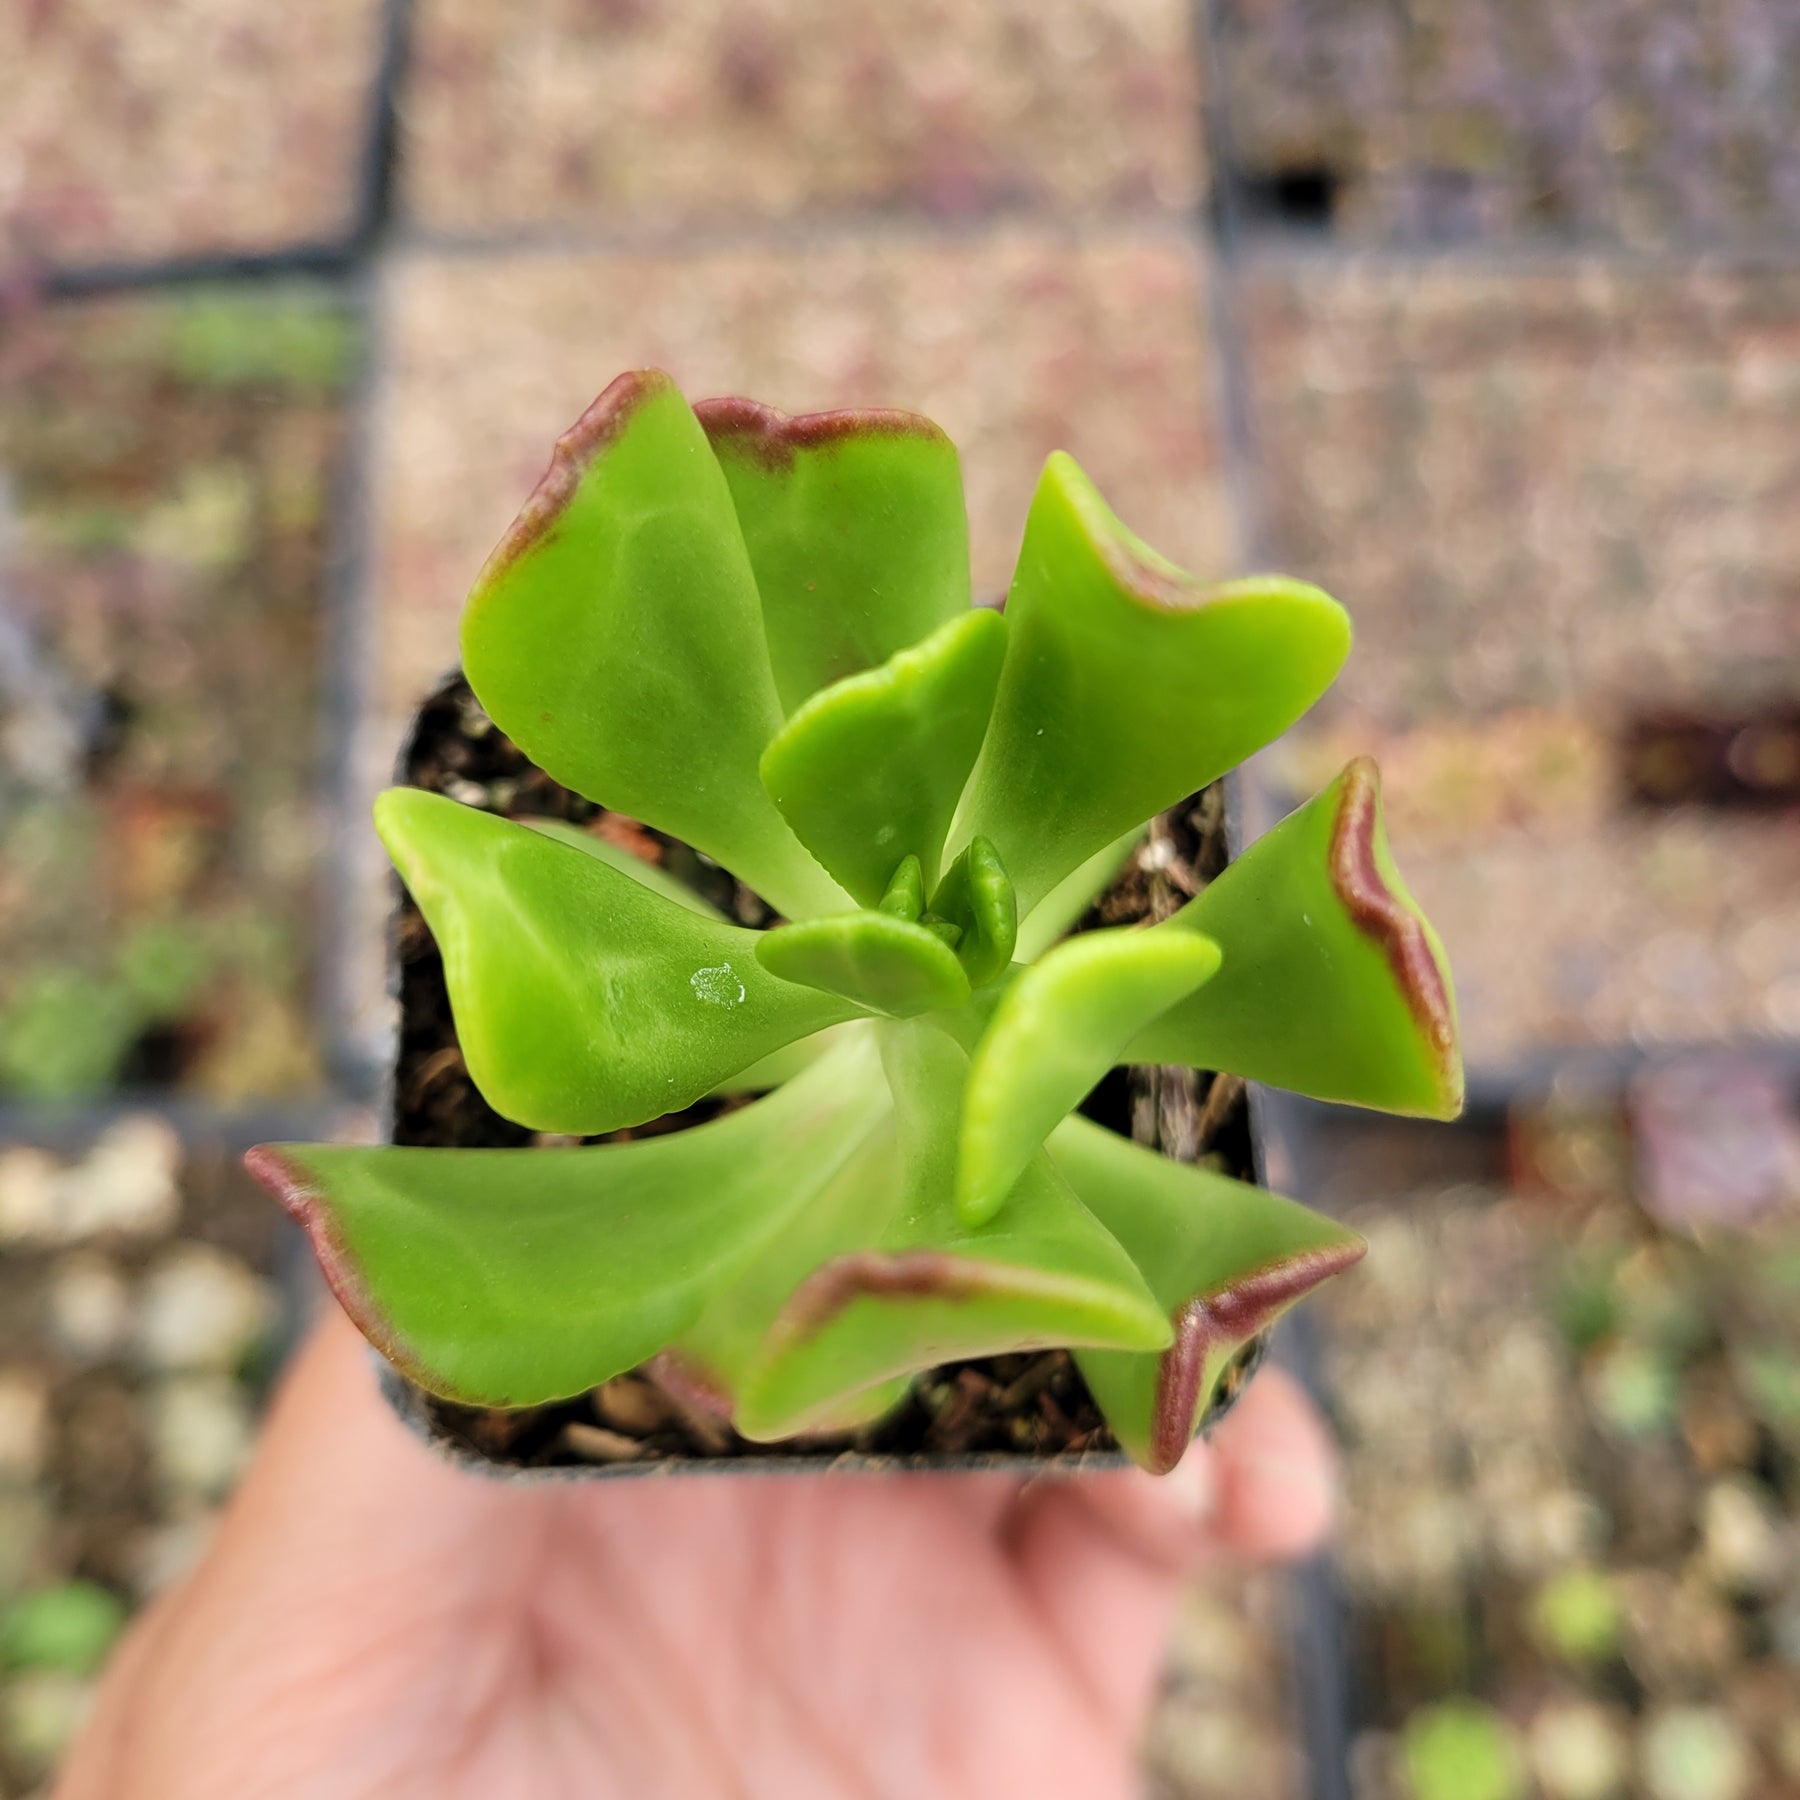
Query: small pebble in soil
x=201 y=1309
x=40 y=1713
x=629 y=1405
x=594 y=1443
x=1742 y=1542
x=87 y=1306
x=1577 y=1751
x=30 y=1183
x=1696 y=1753
x=201 y=1430
x=126 y=1184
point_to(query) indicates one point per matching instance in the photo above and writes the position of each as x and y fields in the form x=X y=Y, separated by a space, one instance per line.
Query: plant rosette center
x=755 y=634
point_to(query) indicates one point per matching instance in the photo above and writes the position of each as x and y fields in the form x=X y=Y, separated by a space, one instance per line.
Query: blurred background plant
x=1484 y=314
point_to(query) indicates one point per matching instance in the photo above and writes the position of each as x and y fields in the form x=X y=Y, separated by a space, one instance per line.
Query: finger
x=341 y=1517
x=1104 y=1556
x=1278 y=1472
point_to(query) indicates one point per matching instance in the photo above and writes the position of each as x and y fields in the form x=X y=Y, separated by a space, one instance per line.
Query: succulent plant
x=1461 y=1750
x=755 y=634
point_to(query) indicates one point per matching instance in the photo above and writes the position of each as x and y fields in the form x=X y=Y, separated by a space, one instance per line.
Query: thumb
x=1105 y=1556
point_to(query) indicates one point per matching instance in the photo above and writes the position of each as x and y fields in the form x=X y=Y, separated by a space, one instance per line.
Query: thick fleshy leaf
x=1334 y=984
x=1056 y=1031
x=584 y=1001
x=515 y=1277
x=657 y=880
x=1128 y=684
x=1056 y=914
x=784 y=1064
x=616 y=635
x=1043 y=1275
x=1224 y=1260
x=904 y=895
x=909 y=1287
x=711 y=1360
x=869 y=770
x=873 y=959
x=856 y=530
x=976 y=896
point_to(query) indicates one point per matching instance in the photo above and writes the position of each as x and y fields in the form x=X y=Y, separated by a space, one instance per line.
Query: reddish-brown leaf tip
x=903 y=1274
x=1376 y=910
x=1219 y=1321
x=748 y=429
x=690 y=1384
x=301 y=1199
x=574 y=453
x=1148 y=582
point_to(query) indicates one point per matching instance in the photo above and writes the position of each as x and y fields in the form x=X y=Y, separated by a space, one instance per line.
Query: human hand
x=371 y=1622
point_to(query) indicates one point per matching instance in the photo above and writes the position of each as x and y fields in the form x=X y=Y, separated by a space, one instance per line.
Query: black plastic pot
x=1027 y=1414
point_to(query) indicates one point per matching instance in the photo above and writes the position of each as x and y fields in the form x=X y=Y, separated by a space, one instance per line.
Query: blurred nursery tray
x=1672 y=759
x=164 y=474
x=1560 y=503
x=1570 y=1551
x=720 y=113
x=1017 y=342
x=1564 y=485
x=1225 y=1726
x=140 y=1317
x=193 y=130
x=1580 y=924
x=1644 y=122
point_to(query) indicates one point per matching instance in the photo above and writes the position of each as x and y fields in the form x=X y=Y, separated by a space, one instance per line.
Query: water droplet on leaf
x=717 y=986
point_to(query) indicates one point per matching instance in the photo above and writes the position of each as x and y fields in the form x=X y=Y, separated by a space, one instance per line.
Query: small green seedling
x=755 y=634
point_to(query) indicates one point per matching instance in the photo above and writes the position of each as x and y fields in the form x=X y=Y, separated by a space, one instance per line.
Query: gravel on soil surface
x=139 y=1319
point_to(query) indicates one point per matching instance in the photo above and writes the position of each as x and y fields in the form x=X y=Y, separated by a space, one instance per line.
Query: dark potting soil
x=1031 y=1404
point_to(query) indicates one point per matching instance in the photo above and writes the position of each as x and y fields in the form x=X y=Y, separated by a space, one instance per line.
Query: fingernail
x=1193 y=1484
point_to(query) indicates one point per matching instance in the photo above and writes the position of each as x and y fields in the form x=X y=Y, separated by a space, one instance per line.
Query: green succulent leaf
x=754 y=634
x=875 y=960
x=616 y=635
x=1057 y=913
x=883 y=1281
x=1057 y=1030
x=904 y=895
x=1128 y=685
x=869 y=770
x=1224 y=1260
x=1334 y=983
x=1045 y=1275
x=856 y=531
x=977 y=897
x=584 y=1000
x=784 y=1064
x=657 y=880
x=517 y=1277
